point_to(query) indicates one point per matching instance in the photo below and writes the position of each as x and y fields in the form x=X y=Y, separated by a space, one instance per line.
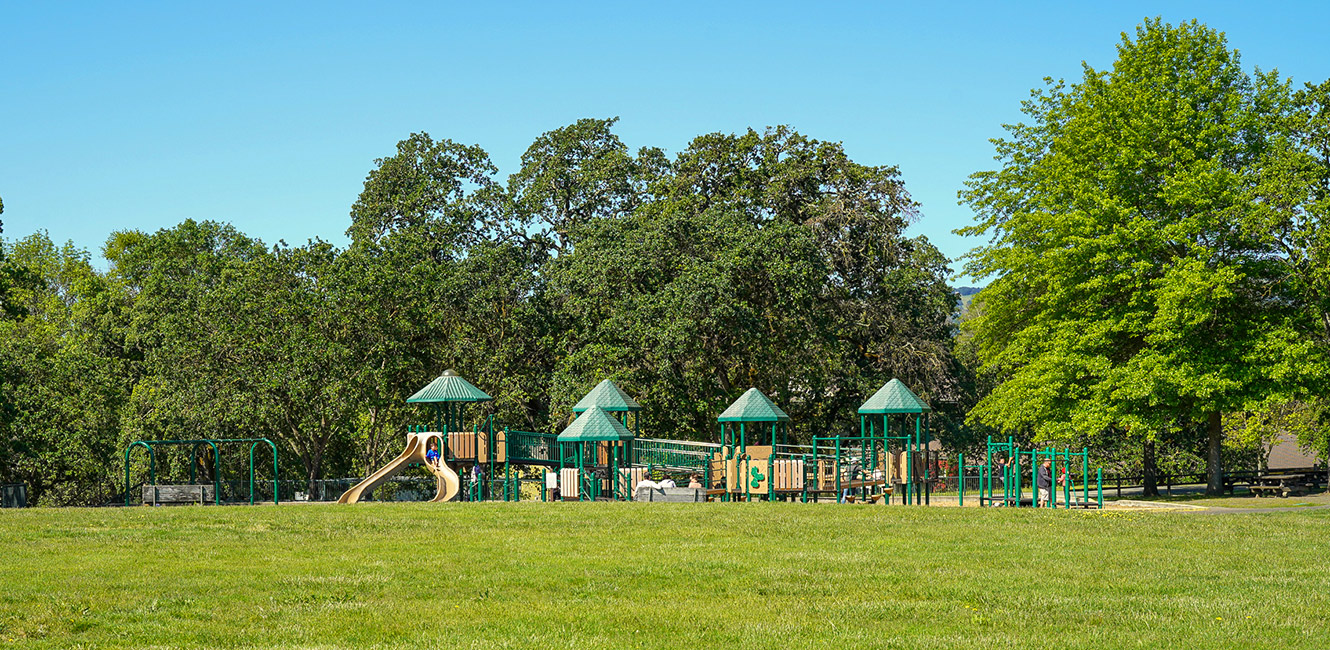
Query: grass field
x=693 y=576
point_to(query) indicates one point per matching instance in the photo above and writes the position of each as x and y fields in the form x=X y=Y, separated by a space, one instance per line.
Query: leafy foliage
x=1127 y=295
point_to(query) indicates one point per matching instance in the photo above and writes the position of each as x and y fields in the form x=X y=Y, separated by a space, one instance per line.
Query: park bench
x=674 y=494
x=154 y=495
x=13 y=495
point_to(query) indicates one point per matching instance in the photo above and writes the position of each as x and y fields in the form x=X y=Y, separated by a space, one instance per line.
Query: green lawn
x=687 y=576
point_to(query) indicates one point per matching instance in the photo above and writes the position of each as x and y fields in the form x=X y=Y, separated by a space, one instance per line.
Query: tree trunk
x=1151 y=480
x=1214 y=468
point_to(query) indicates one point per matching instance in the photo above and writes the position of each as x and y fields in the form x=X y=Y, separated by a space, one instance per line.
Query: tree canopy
x=1127 y=296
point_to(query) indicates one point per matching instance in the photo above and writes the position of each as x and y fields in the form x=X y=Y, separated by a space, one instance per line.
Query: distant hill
x=967 y=295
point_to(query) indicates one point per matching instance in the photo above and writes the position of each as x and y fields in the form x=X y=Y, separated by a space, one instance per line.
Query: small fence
x=1167 y=481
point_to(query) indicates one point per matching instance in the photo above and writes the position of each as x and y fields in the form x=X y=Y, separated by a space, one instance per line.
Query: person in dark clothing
x=1044 y=482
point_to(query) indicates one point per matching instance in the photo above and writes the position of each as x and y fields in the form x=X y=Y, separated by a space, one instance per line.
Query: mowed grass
x=617 y=575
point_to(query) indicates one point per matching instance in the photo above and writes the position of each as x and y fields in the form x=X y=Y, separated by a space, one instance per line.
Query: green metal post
x=912 y=451
x=836 y=468
x=771 y=476
x=614 y=472
x=986 y=484
x=1100 y=482
x=1011 y=467
x=1085 y=473
x=1016 y=471
x=152 y=465
x=960 y=478
x=1066 y=486
x=216 y=475
x=1053 y=477
x=581 y=452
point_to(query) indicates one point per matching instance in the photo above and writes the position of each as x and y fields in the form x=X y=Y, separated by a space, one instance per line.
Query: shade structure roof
x=753 y=406
x=449 y=387
x=595 y=424
x=894 y=397
x=608 y=396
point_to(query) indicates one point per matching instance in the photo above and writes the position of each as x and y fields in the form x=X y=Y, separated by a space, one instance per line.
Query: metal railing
x=532 y=447
x=673 y=454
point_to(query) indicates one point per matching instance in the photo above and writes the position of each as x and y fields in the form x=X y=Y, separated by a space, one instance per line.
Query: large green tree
x=1125 y=294
x=755 y=259
x=65 y=376
x=1290 y=192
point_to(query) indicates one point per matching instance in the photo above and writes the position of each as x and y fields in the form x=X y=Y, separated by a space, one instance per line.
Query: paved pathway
x=1244 y=511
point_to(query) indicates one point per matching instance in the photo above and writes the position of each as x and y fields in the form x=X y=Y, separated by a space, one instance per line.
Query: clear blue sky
x=268 y=115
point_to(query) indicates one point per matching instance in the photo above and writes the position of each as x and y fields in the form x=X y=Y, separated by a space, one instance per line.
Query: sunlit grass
x=612 y=575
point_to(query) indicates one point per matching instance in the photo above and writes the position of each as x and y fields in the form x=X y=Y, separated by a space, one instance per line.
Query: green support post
x=1053 y=477
x=836 y=467
x=960 y=479
x=986 y=482
x=1011 y=467
x=1016 y=479
x=152 y=465
x=1100 y=483
x=922 y=439
x=771 y=473
x=508 y=468
x=804 y=478
x=1085 y=474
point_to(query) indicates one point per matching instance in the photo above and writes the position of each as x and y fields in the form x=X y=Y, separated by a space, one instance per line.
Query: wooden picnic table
x=1284 y=484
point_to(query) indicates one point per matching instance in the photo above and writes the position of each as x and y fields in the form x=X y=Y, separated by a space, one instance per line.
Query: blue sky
x=268 y=115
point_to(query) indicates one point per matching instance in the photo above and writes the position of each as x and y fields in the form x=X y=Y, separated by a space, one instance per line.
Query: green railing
x=674 y=454
x=532 y=447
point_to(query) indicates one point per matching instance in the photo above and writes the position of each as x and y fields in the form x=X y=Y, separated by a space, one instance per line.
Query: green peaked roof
x=894 y=397
x=753 y=406
x=608 y=396
x=595 y=424
x=450 y=387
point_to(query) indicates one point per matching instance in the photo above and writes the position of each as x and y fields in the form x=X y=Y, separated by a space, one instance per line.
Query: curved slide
x=416 y=443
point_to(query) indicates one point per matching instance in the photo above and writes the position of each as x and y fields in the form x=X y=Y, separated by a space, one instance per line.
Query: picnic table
x=1284 y=484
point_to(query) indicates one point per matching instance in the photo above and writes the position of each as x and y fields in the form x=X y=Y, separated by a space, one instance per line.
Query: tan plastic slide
x=416 y=444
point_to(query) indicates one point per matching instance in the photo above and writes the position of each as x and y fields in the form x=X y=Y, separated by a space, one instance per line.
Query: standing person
x=1044 y=482
x=477 y=480
x=847 y=492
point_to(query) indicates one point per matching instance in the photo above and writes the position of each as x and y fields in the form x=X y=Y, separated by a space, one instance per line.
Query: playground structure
x=203 y=491
x=1001 y=476
x=600 y=456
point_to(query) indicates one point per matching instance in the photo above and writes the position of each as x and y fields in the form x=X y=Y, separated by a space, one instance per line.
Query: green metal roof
x=753 y=406
x=450 y=387
x=894 y=397
x=595 y=424
x=608 y=396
